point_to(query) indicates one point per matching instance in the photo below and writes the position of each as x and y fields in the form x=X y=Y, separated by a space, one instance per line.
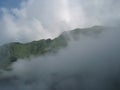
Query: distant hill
x=11 y=52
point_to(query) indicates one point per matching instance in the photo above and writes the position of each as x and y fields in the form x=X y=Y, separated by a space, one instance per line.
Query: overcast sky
x=28 y=20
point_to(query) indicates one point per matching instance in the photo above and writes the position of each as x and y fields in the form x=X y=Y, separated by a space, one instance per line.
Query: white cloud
x=37 y=19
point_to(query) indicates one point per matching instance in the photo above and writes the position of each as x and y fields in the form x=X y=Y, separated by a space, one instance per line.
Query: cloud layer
x=38 y=19
x=89 y=63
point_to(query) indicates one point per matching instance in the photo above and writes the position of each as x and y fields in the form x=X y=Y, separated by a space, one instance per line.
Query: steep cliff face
x=9 y=53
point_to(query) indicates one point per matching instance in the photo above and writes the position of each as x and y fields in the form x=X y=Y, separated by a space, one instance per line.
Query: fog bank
x=92 y=62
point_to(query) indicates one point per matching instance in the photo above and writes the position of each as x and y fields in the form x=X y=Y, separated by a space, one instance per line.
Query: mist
x=88 y=63
x=91 y=62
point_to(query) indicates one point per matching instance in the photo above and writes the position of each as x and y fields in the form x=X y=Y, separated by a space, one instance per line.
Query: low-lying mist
x=89 y=63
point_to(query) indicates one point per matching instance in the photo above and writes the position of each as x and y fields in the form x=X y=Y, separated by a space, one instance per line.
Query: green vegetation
x=11 y=52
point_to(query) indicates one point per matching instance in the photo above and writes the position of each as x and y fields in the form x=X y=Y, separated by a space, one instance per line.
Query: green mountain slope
x=11 y=52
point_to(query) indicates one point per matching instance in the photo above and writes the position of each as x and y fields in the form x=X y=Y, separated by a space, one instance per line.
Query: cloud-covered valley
x=88 y=63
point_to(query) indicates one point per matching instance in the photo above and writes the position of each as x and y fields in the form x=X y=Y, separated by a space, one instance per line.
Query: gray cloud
x=88 y=63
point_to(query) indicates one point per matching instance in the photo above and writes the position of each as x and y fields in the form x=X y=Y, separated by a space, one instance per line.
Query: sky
x=28 y=20
x=10 y=3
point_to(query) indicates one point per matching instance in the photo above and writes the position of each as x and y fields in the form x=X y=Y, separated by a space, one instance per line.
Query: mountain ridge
x=11 y=52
